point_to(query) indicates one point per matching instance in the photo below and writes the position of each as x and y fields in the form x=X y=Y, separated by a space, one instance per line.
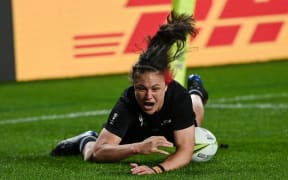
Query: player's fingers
x=133 y=165
x=167 y=144
x=141 y=170
x=137 y=169
x=162 y=152
x=144 y=172
x=162 y=141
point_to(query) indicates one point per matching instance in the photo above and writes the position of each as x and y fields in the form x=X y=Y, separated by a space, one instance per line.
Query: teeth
x=148 y=104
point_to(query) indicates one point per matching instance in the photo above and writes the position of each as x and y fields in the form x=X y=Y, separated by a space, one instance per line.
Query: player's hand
x=152 y=144
x=141 y=169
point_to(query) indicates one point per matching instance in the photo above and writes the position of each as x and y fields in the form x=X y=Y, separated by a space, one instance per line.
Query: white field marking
x=245 y=106
x=212 y=105
x=251 y=97
x=56 y=116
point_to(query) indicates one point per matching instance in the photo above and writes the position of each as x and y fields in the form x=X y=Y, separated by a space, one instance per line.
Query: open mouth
x=148 y=105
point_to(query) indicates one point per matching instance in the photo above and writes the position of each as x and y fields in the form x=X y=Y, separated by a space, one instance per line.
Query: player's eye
x=140 y=88
x=155 y=89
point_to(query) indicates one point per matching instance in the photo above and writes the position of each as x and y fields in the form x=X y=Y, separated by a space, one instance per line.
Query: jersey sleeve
x=183 y=113
x=120 y=118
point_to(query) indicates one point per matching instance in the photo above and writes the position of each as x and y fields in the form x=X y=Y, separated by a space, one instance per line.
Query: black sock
x=84 y=141
x=196 y=91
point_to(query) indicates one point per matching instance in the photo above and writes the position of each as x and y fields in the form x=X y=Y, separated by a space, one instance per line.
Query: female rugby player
x=155 y=111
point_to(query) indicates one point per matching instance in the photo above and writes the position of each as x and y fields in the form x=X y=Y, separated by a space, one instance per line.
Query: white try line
x=106 y=112
x=56 y=116
x=252 y=97
x=219 y=105
x=247 y=106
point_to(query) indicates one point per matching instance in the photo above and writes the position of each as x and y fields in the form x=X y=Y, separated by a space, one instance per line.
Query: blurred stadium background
x=63 y=65
x=59 y=39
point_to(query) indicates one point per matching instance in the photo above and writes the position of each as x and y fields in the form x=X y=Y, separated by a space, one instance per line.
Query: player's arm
x=107 y=148
x=184 y=141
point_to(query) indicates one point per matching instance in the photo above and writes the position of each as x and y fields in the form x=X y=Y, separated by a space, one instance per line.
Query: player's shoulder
x=176 y=87
x=176 y=91
x=127 y=97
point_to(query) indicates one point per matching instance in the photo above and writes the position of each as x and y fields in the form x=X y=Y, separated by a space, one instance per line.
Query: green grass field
x=247 y=110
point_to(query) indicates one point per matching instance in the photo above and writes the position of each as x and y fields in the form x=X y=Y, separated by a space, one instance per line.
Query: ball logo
x=208 y=136
x=204 y=156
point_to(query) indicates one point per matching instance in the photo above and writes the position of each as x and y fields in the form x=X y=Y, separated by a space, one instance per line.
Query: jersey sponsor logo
x=165 y=122
x=114 y=117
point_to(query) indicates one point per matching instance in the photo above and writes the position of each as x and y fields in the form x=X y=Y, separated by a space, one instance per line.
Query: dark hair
x=158 y=56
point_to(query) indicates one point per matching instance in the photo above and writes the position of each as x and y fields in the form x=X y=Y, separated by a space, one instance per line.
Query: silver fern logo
x=141 y=119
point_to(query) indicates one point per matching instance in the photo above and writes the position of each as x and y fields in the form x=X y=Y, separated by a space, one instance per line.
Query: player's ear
x=166 y=87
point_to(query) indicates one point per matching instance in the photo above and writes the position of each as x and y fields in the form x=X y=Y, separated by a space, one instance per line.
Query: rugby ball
x=205 y=145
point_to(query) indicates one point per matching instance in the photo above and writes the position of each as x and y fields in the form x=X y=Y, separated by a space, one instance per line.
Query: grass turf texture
x=247 y=110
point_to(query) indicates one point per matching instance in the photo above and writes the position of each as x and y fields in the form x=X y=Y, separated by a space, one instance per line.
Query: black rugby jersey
x=129 y=122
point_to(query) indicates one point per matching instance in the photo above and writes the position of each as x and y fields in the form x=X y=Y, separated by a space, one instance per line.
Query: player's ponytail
x=158 y=56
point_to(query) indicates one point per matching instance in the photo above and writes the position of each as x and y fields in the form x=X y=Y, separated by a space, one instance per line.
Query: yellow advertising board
x=56 y=39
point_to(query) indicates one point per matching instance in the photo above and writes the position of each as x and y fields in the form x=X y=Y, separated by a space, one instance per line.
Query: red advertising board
x=56 y=39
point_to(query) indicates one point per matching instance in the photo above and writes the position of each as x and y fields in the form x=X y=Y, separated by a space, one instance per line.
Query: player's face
x=150 y=90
